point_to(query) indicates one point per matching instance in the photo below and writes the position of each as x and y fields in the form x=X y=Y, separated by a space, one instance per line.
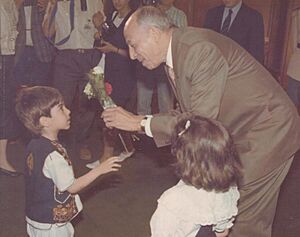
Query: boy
x=51 y=188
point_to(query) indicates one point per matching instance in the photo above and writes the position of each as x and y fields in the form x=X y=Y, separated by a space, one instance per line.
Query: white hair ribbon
x=187 y=125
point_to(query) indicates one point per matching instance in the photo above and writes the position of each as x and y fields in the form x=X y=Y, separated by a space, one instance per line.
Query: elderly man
x=213 y=76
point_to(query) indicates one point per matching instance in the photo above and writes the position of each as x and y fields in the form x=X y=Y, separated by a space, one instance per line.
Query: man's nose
x=132 y=53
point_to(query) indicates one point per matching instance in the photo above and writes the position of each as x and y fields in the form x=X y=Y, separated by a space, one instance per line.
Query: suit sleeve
x=256 y=41
x=205 y=70
x=208 y=20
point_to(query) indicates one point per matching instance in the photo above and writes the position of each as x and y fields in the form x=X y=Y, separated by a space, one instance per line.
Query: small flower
x=108 y=88
x=98 y=70
x=88 y=90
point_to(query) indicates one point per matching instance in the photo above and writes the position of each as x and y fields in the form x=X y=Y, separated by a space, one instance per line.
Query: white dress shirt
x=82 y=36
x=8 y=27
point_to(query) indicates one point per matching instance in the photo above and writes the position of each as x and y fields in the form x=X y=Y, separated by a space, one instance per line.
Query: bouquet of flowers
x=97 y=88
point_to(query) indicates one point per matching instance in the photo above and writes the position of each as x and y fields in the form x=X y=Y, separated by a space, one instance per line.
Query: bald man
x=212 y=76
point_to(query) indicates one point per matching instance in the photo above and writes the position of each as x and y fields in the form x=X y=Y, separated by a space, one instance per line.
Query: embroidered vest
x=44 y=203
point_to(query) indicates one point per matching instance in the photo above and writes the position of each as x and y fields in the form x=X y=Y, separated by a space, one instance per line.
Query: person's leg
x=22 y=68
x=4 y=164
x=41 y=74
x=7 y=112
x=257 y=204
x=206 y=231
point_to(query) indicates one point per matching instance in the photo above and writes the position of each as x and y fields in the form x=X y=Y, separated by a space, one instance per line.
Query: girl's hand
x=109 y=165
x=108 y=47
x=98 y=19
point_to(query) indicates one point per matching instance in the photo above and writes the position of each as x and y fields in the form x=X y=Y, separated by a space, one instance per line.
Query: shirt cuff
x=147 y=126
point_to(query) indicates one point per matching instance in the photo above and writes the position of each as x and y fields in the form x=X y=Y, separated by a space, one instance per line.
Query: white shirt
x=28 y=10
x=8 y=27
x=183 y=209
x=169 y=63
x=82 y=36
x=235 y=11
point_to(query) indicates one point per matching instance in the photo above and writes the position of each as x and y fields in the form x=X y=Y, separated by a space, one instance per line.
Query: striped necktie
x=226 y=24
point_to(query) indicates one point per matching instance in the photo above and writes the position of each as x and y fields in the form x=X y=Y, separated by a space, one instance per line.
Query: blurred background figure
x=293 y=71
x=34 y=53
x=118 y=71
x=8 y=35
x=69 y=24
x=240 y=23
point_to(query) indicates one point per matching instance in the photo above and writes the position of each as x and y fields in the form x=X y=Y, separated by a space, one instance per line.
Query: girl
x=207 y=194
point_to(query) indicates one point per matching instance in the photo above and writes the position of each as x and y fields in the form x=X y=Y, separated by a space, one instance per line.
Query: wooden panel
x=274 y=14
x=201 y=8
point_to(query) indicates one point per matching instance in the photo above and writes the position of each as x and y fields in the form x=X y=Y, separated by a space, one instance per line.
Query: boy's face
x=60 y=117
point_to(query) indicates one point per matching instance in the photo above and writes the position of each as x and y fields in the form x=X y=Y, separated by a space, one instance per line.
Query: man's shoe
x=9 y=173
x=93 y=165
x=124 y=155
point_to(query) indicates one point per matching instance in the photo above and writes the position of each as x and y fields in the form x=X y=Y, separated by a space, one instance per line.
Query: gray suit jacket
x=43 y=48
x=217 y=78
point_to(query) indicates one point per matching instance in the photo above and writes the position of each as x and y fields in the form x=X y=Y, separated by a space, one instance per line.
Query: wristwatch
x=143 y=124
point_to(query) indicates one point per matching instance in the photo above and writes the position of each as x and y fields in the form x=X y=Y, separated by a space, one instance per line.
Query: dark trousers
x=206 y=231
x=30 y=71
x=8 y=121
x=257 y=204
x=70 y=68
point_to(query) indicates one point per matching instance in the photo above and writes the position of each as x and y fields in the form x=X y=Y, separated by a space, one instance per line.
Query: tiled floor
x=121 y=204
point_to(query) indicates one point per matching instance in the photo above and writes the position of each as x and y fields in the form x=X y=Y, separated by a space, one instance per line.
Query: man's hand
x=98 y=19
x=107 y=47
x=42 y=5
x=122 y=119
x=109 y=165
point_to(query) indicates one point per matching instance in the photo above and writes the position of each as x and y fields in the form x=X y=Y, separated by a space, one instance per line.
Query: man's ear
x=155 y=34
x=44 y=121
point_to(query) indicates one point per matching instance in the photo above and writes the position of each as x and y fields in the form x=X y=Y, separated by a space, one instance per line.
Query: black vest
x=44 y=203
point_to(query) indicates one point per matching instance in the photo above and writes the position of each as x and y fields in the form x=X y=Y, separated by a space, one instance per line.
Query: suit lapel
x=219 y=17
x=238 y=21
x=178 y=81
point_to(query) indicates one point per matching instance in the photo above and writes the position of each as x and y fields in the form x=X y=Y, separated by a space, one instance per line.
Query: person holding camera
x=69 y=25
x=118 y=69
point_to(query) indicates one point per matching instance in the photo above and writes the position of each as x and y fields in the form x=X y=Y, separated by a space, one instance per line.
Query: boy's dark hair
x=206 y=154
x=34 y=102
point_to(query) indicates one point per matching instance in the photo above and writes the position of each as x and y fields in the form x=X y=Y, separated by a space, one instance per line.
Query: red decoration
x=108 y=88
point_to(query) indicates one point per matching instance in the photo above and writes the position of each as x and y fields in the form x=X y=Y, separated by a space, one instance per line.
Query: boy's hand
x=109 y=165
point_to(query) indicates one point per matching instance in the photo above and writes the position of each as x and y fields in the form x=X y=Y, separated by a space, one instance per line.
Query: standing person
x=8 y=35
x=147 y=79
x=118 y=71
x=213 y=76
x=34 y=53
x=293 y=70
x=69 y=24
x=241 y=23
x=209 y=169
x=51 y=188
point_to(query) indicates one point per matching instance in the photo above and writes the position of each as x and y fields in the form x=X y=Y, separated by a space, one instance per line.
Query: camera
x=150 y=2
x=108 y=29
